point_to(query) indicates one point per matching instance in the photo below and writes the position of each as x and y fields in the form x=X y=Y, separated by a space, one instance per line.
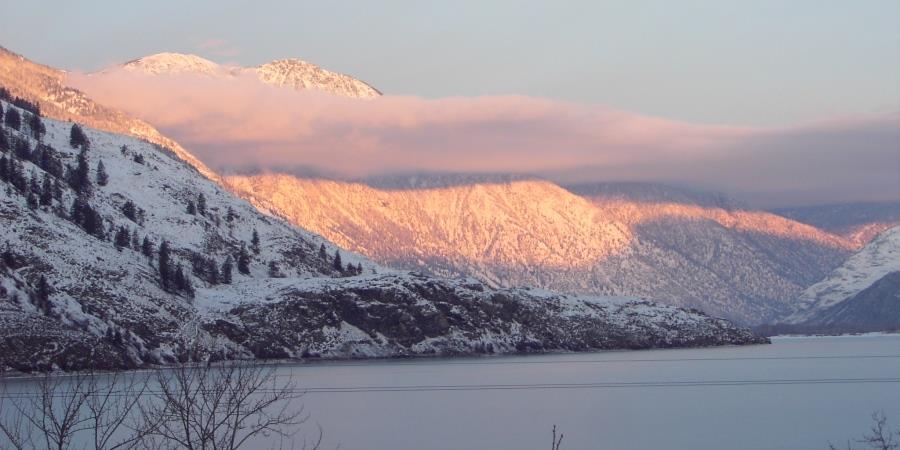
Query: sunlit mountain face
x=685 y=248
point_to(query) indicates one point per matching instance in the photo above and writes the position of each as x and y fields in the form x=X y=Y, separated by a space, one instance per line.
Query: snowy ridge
x=292 y=73
x=47 y=87
x=876 y=260
x=707 y=254
x=106 y=307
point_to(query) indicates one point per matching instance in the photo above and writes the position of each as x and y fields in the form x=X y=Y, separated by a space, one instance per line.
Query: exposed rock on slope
x=104 y=305
x=706 y=254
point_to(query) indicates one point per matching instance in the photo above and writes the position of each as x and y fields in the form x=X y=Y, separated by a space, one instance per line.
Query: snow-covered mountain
x=292 y=73
x=47 y=87
x=81 y=282
x=863 y=293
x=858 y=222
x=686 y=249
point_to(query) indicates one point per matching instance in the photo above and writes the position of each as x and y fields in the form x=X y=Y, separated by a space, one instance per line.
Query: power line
x=529 y=386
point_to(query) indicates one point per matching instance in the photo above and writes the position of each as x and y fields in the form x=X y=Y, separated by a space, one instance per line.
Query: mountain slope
x=293 y=73
x=47 y=87
x=79 y=289
x=743 y=265
x=858 y=222
x=866 y=278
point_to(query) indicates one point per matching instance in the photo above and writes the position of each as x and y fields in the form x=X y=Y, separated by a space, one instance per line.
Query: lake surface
x=798 y=393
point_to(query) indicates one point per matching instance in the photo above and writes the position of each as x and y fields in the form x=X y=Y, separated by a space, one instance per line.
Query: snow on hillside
x=293 y=73
x=702 y=253
x=877 y=259
x=72 y=298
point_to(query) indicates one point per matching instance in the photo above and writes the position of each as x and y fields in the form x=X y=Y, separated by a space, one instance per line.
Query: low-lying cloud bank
x=242 y=124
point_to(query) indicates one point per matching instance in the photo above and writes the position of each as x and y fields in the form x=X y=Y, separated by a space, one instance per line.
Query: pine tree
x=123 y=238
x=135 y=240
x=225 y=275
x=359 y=268
x=43 y=294
x=4 y=169
x=191 y=208
x=201 y=204
x=129 y=210
x=254 y=242
x=81 y=176
x=57 y=189
x=164 y=265
x=243 y=261
x=23 y=150
x=4 y=141
x=32 y=201
x=46 y=191
x=1 y=112
x=274 y=271
x=323 y=255
x=230 y=215
x=338 y=265
x=37 y=126
x=147 y=248
x=102 y=177
x=77 y=138
x=13 y=119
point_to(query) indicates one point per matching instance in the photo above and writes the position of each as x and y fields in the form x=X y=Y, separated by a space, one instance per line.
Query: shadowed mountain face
x=701 y=252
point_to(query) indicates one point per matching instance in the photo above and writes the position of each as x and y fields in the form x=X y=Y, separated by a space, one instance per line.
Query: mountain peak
x=169 y=63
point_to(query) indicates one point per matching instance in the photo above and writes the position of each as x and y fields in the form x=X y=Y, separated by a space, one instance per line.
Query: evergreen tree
x=135 y=240
x=32 y=201
x=46 y=198
x=1 y=112
x=230 y=215
x=191 y=208
x=4 y=141
x=4 y=169
x=57 y=189
x=37 y=126
x=123 y=238
x=359 y=268
x=23 y=150
x=13 y=119
x=147 y=248
x=164 y=264
x=129 y=210
x=77 y=138
x=81 y=176
x=201 y=204
x=43 y=295
x=243 y=261
x=338 y=265
x=274 y=271
x=322 y=253
x=102 y=177
x=254 y=242
x=225 y=275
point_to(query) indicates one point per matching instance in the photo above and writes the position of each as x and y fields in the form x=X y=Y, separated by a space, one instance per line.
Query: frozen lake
x=798 y=393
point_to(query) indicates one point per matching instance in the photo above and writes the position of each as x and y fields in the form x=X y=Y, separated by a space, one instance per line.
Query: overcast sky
x=761 y=62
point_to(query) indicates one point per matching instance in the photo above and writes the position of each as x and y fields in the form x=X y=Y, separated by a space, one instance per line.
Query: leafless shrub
x=880 y=436
x=204 y=407
x=556 y=442
x=222 y=407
